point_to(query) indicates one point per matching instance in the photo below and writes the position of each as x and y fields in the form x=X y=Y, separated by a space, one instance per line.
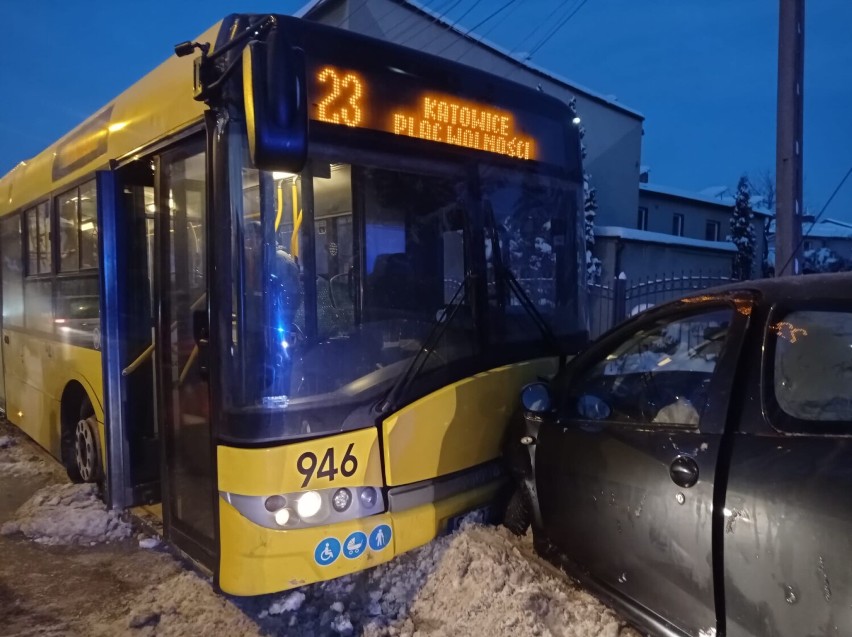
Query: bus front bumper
x=255 y=560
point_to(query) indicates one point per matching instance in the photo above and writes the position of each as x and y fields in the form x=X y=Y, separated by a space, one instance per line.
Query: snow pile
x=180 y=605
x=67 y=514
x=485 y=585
x=479 y=581
x=18 y=461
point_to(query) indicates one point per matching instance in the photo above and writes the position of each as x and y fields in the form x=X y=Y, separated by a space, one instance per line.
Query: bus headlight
x=282 y=516
x=303 y=509
x=309 y=504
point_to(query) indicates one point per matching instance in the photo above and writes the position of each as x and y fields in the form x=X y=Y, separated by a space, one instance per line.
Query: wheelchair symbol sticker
x=327 y=551
x=380 y=537
x=355 y=545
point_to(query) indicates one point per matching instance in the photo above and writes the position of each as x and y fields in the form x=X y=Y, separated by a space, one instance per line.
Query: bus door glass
x=182 y=283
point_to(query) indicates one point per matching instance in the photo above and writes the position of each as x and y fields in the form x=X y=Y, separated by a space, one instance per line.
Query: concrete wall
x=640 y=260
x=613 y=136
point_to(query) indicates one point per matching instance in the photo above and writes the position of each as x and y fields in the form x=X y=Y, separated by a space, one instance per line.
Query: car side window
x=660 y=374
x=812 y=369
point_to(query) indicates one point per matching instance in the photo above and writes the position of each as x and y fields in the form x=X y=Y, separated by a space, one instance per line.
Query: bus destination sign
x=346 y=97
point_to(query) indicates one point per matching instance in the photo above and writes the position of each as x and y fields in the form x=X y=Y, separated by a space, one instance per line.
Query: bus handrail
x=185 y=371
x=144 y=356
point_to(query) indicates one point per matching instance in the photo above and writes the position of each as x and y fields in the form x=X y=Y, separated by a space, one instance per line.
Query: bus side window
x=13 y=271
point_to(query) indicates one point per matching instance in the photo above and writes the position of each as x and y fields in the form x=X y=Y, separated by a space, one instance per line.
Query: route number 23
x=342 y=104
x=307 y=465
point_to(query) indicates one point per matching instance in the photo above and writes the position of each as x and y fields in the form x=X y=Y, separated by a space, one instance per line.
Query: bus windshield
x=343 y=272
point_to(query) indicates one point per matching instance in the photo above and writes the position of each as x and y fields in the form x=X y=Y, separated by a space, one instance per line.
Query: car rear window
x=813 y=365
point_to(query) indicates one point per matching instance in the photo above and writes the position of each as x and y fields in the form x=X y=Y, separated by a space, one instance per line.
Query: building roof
x=515 y=58
x=723 y=201
x=646 y=236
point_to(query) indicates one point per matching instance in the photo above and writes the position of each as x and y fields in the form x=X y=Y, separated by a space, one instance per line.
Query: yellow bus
x=288 y=285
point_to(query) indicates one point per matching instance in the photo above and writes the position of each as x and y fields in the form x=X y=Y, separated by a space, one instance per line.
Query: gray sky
x=703 y=72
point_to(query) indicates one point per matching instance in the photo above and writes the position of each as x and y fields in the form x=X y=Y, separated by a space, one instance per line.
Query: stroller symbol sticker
x=355 y=545
x=380 y=537
x=327 y=551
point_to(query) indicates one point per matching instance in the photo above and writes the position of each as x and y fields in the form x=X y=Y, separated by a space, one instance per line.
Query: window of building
x=807 y=245
x=642 y=221
x=712 y=230
x=677 y=225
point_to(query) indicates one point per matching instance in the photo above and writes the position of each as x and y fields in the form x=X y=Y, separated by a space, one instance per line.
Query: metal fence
x=611 y=303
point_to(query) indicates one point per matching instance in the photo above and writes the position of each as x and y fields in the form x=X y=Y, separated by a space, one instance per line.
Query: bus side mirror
x=276 y=105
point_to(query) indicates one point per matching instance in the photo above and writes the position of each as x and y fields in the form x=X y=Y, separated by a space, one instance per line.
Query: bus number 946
x=307 y=465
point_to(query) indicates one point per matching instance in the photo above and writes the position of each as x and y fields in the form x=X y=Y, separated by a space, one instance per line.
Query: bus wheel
x=518 y=514
x=86 y=455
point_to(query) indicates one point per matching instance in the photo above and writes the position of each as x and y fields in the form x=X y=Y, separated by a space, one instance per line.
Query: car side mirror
x=594 y=408
x=536 y=398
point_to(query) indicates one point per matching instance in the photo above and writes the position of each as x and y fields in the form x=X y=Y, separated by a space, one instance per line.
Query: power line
x=480 y=23
x=814 y=222
x=348 y=15
x=482 y=36
x=558 y=27
x=452 y=24
x=430 y=20
x=559 y=6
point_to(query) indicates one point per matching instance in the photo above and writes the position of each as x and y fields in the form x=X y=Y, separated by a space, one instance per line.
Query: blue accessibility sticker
x=327 y=551
x=380 y=537
x=355 y=544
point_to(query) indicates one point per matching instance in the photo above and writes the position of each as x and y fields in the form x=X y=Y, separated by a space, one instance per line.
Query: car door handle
x=684 y=471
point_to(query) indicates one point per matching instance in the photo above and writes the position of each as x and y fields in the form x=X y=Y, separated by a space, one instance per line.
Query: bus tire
x=84 y=461
x=518 y=515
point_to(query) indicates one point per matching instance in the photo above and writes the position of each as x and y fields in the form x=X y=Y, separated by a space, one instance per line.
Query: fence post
x=619 y=299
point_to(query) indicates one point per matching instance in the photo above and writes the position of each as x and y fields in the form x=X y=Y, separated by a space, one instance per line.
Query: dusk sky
x=702 y=72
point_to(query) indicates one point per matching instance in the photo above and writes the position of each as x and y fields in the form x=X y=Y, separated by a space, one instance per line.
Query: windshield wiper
x=505 y=275
x=404 y=382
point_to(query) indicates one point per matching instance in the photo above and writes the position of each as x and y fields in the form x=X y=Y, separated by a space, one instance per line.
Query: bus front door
x=180 y=281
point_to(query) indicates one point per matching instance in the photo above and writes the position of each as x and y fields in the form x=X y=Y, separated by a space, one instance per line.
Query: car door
x=625 y=474
x=788 y=505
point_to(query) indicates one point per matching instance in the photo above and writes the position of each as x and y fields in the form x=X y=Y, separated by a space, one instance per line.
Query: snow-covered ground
x=20 y=460
x=480 y=580
x=67 y=514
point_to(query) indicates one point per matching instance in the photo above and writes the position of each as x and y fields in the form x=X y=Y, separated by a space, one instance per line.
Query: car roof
x=832 y=286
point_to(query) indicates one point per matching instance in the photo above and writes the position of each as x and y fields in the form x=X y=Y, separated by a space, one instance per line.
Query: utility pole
x=788 y=149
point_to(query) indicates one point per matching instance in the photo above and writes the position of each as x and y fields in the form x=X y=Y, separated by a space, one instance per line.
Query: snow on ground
x=182 y=604
x=67 y=514
x=18 y=460
x=478 y=581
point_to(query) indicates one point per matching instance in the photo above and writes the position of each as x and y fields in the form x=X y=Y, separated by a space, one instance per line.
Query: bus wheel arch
x=80 y=441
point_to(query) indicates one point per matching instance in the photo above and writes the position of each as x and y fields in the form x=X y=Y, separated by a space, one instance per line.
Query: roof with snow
x=722 y=200
x=646 y=236
x=828 y=229
x=515 y=58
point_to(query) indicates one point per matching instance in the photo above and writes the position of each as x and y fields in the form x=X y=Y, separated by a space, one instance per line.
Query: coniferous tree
x=590 y=208
x=742 y=231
